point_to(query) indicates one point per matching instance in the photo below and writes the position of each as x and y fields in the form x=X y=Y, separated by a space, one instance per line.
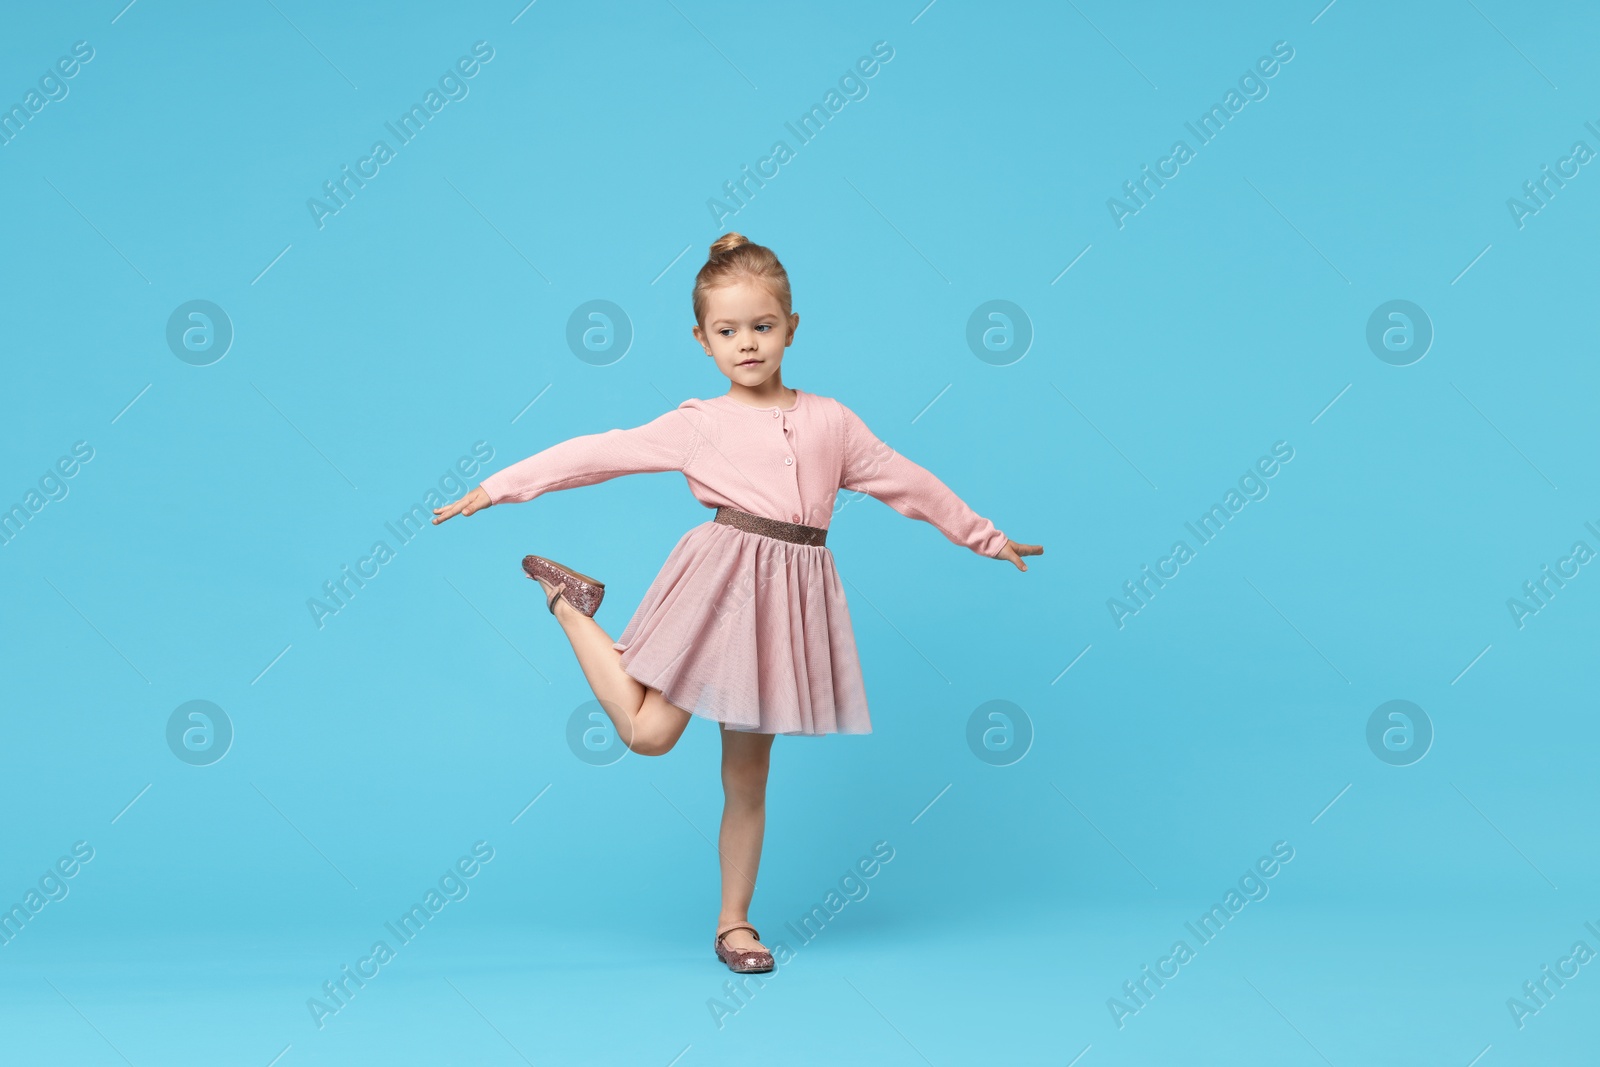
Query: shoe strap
x=551 y=601
x=721 y=934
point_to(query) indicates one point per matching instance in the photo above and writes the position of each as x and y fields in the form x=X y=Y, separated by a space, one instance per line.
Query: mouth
x=749 y=363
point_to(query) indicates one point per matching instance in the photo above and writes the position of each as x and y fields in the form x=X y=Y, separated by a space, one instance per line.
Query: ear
x=794 y=324
x=700 y=335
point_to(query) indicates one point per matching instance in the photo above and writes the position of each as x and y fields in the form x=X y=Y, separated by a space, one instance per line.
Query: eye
x=726 y=331
x=764 y=326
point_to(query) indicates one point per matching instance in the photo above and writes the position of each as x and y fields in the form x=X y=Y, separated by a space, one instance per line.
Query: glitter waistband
x=783 y=531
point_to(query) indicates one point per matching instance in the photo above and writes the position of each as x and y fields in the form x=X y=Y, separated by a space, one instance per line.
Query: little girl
x=746 y=624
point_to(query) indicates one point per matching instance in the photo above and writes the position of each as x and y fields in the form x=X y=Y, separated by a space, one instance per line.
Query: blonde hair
x=734 y=257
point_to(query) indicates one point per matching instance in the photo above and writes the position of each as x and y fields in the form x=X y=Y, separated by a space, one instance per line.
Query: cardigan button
x=795 y=518
x=787 y=460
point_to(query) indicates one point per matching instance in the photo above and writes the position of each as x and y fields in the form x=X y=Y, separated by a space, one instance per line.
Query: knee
x=745 y=781
x=647 y=745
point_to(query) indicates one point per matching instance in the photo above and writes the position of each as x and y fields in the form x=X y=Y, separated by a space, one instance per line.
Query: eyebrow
x=735 y=322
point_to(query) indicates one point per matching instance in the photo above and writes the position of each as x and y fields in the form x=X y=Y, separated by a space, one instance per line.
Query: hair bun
x=728 y=242
x=735 y=258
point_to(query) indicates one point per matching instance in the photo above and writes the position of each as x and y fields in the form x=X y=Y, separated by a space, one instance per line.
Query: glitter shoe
x=742 y=960
x=579 y=590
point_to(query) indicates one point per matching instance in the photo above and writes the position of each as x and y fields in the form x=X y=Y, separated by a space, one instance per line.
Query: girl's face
x=746 y=331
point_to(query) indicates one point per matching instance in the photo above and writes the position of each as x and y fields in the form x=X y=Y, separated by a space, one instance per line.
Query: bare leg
x=645 y=720
x=745 y=758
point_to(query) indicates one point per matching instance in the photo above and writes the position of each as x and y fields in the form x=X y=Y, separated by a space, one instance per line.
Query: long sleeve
x=872 y=467
x=666 y=443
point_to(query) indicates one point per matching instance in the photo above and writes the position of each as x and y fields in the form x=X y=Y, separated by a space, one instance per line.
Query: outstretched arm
x=872 y=467
x=666 y=443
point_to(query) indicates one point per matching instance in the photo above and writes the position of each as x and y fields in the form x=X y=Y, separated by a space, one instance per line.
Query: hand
x=1014 y=552
x=476 y=500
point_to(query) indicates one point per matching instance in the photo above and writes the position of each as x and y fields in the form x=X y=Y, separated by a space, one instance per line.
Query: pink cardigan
x=779 y=463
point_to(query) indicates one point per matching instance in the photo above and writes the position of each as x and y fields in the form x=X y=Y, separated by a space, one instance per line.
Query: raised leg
x=745 y=759
x=645 y=720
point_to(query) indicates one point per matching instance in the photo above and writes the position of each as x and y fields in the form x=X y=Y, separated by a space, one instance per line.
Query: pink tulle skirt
x=750 y=631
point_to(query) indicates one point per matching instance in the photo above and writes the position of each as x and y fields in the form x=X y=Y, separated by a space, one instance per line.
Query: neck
x=770 y=393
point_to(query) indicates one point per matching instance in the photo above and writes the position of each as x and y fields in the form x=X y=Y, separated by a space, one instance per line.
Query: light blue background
x=427 y=314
